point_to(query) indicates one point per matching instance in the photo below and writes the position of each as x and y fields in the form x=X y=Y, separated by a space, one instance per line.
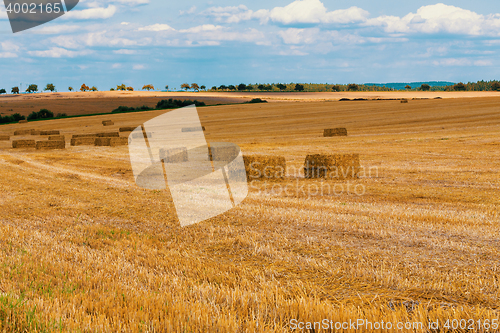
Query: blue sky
x=137 y=42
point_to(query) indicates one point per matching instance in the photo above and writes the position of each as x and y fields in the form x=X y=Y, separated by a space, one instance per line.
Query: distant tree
x=214 y=88
x=15 y=90
x=203 y=87
x=268 y=87
x=249 y=87
x=407 y=87
x=94 y=88
x=3 y=91
x=222 y=87
x=299 y=87
x=495 y=86
x=130 y=89
x=460 y=87
x=84 y=87
x=121 y=87
x=112 y=89
x=352 y=87
x=242 y=86
x=70 y=88
x=336 y=87
x=42 y=114
x=32 y=88
x=425 y=87
x=148 y=87
x=166 y=87
x=61 y=115
x=185 y=86
x=261 y=87
x=231 y=87
x=50 y=87
x=281 y=86
x=195 y=86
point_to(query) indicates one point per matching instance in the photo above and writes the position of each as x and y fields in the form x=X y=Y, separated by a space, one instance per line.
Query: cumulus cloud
x=125 y=51
x=91 y=13
x=57 y=52
x=156 y=27
x=440 y=18
x=138 y=67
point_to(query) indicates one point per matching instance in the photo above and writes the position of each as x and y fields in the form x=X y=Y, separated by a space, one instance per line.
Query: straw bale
x=335 y=132
x=193 y=129
x=83 y=141
x=108 y=135
x=23 y=132
x=35 y=132
x=127 y=129
x=404 y=101
x=223 y=151
x=23 y=144
x=332 y=166
x=174 y=155
x=103 y=141
x=22 y=121
x=118 y=142
x=108 y=123
x=55 y=144
x=50 y=133
x=265 y=167
x=4 y=137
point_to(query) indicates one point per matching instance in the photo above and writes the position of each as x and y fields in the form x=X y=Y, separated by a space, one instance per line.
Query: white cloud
x=115 y=66
x=8 y=55
x=91 y=13
x=189 y=11
x=440 y=18
x=138 y=67
x=57 y=29
x=57 y=52
x=9 y=46
x=156 y=27
x=133 y=2
x=125 y=23
x=202 y=28
x=299 y=36
x=125 y=51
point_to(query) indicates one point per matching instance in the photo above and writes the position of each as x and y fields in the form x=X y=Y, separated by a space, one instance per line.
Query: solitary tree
x=203 y=87
x=195 y=87
x=3 y=91
x=121 y=87
x=407 y=87
x=50 y=87
x=299 y=87
x=32 y=88
x=352 y=87
x=185 y=86
x=425 y=87
x=148 y=87
x=70 y=88
x=495 y=86
x=94 y=88
x=214 y=88
x=281 y=86
x=84 y=87
x=15 y=90
x=130 y=89
x=166 y=87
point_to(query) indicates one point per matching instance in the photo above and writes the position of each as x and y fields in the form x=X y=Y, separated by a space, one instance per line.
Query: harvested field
x=23 y=144
x=127 y=129
x=193 y=129
x=83 y=141
x=333 y=166
x=141 y=135
x=413 y=239
x=49 y=133
x=174 y=155
x=335 y=132
x=55 y=144
x=57 y=137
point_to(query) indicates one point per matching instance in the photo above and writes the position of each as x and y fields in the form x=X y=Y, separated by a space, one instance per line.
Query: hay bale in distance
x=335 y=132
x=57 y=138
x=23 y=144
x=23 y=132
x=174 y=155
x=22 y=121
x=76 y=136
x=35 y=132
x=127 y=129
x=108 y=135
x=108 y=123
x=4 y=137
x=86 y=141
x=264 y=167
x=118 y=142
x=103 y=141
x=220 y=151
x=50 y=133
x=332 y=166
x=55 y=144
x=193 y=129
x=404 y=101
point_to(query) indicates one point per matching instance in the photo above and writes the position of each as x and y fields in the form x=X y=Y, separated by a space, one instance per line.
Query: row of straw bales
x=49 y=144
x=35 y=132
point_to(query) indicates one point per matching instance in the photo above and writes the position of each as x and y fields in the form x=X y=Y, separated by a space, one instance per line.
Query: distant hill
x=402 y=85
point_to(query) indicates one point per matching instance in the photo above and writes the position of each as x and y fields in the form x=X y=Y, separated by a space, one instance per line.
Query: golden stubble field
x=83 y=249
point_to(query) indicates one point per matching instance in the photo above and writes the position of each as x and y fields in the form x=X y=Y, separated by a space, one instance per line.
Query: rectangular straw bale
x=108 y=135
x=24 y=121
x=23 y=144
x=335 y=132
x=57 y=137
x=223 y=152
x=332 y=166
x=174 y=155
x=83 y=141
x=75 y=136
x=404 y=101
x=127 y=129
x=265 y=167
x=103 y=141
x=23 y=132
x=50 y=133
x=55 y=144
x=108 y=123
x=118 y=142
x=193 y=129
x=4 y=137
x=35 y=132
